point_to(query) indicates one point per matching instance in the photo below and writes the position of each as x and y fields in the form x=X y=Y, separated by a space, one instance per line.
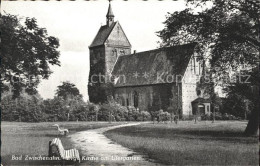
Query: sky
x=76 y=23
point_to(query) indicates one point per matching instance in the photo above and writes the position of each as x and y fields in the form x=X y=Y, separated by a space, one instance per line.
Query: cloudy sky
x=76 y=24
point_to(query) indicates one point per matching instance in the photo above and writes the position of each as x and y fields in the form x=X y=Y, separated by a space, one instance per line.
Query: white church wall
x=191 y=76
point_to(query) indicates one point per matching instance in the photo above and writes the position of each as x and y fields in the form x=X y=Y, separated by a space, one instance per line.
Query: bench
x=56 y=149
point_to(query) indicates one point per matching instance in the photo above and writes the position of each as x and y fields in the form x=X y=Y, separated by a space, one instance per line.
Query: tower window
x=122 y=52
x=118 y=29
x=114 y=52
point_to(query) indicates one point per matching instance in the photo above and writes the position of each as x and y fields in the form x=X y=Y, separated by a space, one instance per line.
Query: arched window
x=122 y=101
x=136 y=99
x=198 y=92
x=98 y=55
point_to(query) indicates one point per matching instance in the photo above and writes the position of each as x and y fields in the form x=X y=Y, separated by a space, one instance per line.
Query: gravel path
x=99 y=150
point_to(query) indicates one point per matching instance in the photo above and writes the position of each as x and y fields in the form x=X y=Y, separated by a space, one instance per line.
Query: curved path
x=97 y=148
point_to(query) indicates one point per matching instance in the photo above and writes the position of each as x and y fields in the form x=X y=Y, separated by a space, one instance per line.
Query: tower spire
x=110 y=16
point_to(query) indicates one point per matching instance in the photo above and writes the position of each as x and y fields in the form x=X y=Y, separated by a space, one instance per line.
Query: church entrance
x=200 y=105
x=201 y=108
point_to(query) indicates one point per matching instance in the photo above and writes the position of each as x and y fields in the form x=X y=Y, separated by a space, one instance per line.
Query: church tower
x=109 y=43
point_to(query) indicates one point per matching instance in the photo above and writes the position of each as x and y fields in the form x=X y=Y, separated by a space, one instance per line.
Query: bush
x=163 y=116
x=206 y=117
x=145 y=115
x=218 y=116
x=117 y=111
x=31 y=109
x=25 y=109
x=133 y=114
x=187 y=117
x=227 y=116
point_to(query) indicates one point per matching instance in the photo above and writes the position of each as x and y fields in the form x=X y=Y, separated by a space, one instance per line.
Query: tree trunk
x=252 y=128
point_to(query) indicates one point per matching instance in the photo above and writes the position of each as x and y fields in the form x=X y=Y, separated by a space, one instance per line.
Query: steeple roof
x=110 y=12
x=105 y=31
x=102 y=35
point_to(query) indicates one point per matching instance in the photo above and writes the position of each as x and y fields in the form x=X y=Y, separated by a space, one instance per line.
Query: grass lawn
x=205 y=143
x=32 y=139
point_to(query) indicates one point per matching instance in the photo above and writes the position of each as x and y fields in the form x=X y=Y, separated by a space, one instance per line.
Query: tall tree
x=68 y=90
x=26 y=54
x=227 y=35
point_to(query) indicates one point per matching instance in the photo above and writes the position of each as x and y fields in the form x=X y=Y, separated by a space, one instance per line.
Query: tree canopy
x=68 y=90
x=26 y=54
x=227 y=36
x=228 y=28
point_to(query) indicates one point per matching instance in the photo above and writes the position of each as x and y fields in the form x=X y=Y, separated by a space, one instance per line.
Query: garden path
x=97 y=149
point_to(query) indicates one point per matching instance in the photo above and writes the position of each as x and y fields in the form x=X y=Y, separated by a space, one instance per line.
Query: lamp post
x=96 y=111
x=86 y=114
x=246 y=108
x=171 y=109
x=109 y=116
x=214 y=112
x=68 y=115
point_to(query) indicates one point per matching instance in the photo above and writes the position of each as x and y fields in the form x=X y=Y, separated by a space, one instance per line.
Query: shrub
x=206 y=117
x=25 y=109
x=133 y=114
x=227 y=116
x=163 y=116
x=145 y=115
x=188 y=117
x=218 y=116
x=118 y=112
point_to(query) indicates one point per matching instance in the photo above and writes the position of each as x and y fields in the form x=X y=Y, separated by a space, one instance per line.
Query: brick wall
x=150 y=95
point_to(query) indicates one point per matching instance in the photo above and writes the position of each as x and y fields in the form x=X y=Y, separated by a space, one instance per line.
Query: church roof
x=201 y=100
x=144 y=68
x=102 y=35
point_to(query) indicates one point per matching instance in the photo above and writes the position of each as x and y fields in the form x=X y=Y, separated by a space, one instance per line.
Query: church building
x=156 y=79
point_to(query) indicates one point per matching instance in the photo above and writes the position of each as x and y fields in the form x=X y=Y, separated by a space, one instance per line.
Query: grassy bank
x=221 y=143
x=32 y=138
